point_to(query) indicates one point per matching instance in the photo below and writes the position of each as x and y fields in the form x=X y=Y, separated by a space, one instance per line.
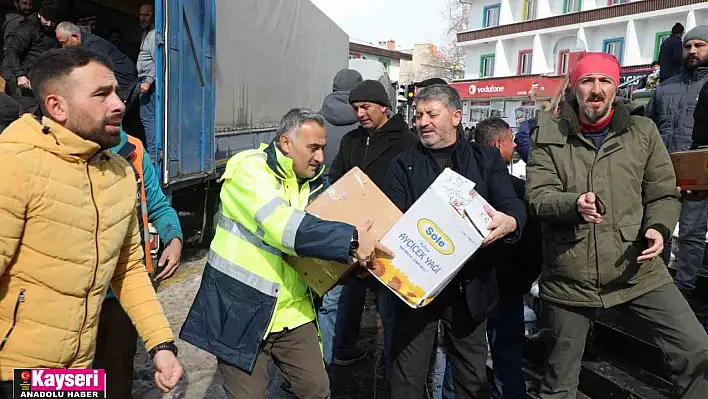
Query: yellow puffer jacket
x=68 y=229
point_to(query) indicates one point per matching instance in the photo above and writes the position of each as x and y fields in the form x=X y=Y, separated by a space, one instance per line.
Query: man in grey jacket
x=672 y=109
x=339 y=115
x=146 y=76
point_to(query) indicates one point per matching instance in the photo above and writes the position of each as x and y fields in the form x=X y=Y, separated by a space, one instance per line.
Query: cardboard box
x=691 y=168
x=353 y=199
x=432 y=241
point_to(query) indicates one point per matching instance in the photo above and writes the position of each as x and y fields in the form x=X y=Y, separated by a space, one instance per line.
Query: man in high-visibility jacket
x=252 y=306
x=116 y=342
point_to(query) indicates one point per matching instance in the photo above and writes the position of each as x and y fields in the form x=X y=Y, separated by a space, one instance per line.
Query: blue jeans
x=340 y=317
x=505 y=332
x=147 y=117
x=693 y=224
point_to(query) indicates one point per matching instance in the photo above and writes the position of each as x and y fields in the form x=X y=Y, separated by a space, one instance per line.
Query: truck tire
x=211 y=216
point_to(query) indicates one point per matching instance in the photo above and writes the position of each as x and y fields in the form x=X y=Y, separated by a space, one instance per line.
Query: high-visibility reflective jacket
x=247 y=289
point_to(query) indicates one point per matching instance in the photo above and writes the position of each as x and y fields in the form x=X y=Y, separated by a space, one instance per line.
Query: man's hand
x=656 y=246
x=587 y=208
x=368 y=244
x=500 y=226
x=168 y=371
x=23 y=82
x=689 y=195
x=145 y=87
x=172 y=255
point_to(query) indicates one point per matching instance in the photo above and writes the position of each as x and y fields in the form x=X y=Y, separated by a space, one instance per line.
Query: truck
x=227 y=71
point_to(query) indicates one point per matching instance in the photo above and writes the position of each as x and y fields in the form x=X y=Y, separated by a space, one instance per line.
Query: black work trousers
x=413 y=344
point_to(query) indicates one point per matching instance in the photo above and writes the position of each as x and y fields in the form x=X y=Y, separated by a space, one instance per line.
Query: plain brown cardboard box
x=353 y=199
x=691 y=168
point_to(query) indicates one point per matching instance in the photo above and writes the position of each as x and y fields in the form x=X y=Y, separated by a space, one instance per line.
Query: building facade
x=534 y=37
x=385 y=52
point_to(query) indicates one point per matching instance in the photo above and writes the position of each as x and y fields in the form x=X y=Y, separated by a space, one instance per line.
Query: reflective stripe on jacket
x=247 y=290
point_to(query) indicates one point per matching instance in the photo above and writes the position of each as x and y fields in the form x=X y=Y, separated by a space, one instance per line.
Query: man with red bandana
x=601 y=183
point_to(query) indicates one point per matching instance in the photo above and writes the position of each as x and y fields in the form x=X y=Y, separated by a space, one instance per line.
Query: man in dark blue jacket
x=671 y=54
x=464 y=304
x=672 y=109
x=518 y=265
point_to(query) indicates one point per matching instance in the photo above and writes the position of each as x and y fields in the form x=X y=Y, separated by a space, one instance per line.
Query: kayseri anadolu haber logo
x=432 y=233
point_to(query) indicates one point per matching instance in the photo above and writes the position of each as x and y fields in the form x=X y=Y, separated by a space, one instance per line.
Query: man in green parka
x=602 y=184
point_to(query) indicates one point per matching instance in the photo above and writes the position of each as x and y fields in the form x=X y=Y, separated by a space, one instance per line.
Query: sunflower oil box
x=433 y=240
x=691 y=168
x=353 y=199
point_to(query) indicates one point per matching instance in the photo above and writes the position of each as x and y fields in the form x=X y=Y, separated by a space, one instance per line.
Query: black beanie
x=370 y=91
x=49 y=12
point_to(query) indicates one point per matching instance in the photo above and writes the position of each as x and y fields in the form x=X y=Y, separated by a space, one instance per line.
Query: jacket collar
x=49 y=136
x=697 y=74
x=281 y=165
x=459 y=154
x=557 y=129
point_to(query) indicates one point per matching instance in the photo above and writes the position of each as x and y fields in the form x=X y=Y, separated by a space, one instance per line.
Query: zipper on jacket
x=20 y=299
x=366 y=150
x=95 y=269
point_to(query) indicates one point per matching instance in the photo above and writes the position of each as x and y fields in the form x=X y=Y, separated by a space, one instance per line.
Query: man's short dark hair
x=58 y=64
x=677 y=29
x=654 y=63
x=489 y=130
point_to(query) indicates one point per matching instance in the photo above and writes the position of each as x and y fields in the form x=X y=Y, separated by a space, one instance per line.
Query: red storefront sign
x=538 y=86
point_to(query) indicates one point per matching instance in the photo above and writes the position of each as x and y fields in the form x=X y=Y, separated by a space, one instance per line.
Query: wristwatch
x=165 y=346
x=354 y=244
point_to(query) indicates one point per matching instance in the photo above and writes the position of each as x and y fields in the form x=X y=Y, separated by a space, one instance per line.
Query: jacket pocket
x=565 y=252
x=631 y=246
x=18 y=304
x=228 y=319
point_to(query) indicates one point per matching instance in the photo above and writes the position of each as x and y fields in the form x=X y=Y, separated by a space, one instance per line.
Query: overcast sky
x=408 y=22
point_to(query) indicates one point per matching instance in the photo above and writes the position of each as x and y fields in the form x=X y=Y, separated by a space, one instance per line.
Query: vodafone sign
x=485 y=89
x=509 y=87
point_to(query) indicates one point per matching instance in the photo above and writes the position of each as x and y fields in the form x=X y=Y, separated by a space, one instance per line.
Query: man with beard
x=31 y=39
x=672 y=108
x=371 y=147
x=23 y=9
x=68 y=226
x=601 y=183
x=464 y=304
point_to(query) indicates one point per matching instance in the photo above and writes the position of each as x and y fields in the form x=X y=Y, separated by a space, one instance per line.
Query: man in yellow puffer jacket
x=68 y=227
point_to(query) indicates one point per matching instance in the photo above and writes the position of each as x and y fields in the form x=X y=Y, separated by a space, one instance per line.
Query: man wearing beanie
x=34 y=36
x=671 y=54
x=672 y=108
x=338 y=113
x=371 y=147
x=602 y=185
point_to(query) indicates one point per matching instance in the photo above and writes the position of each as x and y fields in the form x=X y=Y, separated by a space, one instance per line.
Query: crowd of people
x=592 y=223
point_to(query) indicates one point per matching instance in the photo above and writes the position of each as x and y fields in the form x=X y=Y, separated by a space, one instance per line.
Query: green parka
x=631 y=173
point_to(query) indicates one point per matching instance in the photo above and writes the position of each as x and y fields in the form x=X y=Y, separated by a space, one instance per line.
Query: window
x=614 y=47
x=486 y=66
x=658 y=41
x=613 y=2
x=572 y=6
x=491 y=16
x=525 y=61
x=563 y=61
x=530 y=9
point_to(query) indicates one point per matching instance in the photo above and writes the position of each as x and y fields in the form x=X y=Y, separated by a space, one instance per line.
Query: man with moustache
x=68 y=228
x=464 y=304
x=252 y=307
x=672 y=108
x=371 y=147
x=601 y=183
